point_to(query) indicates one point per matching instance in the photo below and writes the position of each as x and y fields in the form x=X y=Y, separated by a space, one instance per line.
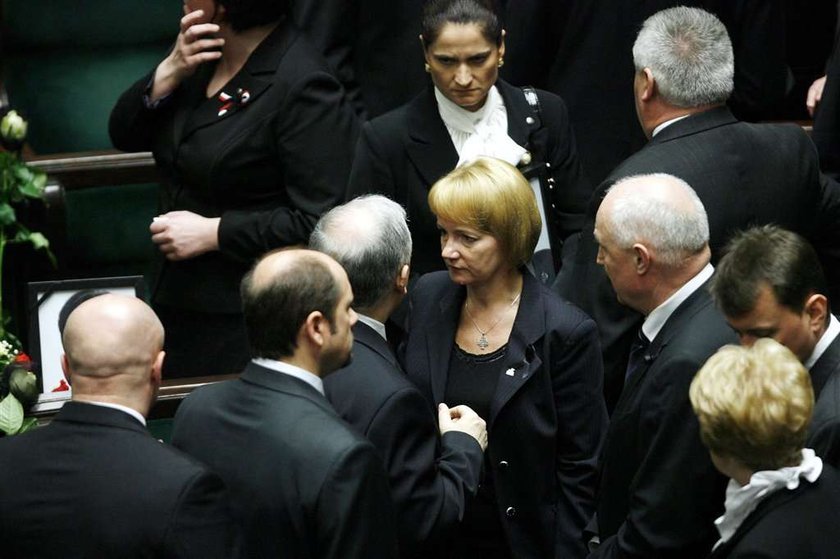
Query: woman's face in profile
x=470 y=255
x=464 y=65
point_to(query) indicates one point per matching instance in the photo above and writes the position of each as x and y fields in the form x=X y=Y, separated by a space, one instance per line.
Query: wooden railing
x=91 y=169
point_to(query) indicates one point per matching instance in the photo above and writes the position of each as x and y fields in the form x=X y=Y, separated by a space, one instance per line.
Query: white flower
x=13 y=127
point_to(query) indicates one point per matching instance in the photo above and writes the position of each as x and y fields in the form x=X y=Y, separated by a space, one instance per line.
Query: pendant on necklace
x=482 y=342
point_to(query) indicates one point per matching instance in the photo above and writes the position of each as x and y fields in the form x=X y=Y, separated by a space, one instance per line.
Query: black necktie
x=637 y=354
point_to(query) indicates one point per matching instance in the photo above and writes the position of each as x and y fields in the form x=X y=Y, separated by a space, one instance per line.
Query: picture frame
x=46 y=298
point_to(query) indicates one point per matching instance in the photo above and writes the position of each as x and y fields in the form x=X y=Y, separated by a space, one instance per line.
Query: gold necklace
x=482 y=342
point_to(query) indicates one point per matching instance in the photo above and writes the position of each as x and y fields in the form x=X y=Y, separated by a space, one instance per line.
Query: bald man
x=303 y=483
x=659 y=492
x=94 y=483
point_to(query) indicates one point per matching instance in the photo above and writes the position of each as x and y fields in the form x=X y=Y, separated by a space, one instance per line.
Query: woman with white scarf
x=754 y=406
x=467 y=112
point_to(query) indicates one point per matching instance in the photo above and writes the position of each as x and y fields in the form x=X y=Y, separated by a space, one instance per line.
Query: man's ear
x=315 y=328
x=402 y=279
x=641 y=259
x=65 y=368
x=816 y=307
x=648 y=85
x=157 y=369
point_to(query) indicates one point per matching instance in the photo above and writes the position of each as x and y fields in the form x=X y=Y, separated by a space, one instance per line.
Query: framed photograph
x=46 y=298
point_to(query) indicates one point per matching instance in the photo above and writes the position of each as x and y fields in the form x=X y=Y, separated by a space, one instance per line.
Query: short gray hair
x=672 y=231
x=689 y=54
x=369 y=237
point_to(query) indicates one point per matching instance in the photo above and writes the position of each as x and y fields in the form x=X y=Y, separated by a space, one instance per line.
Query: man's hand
x=181 y=235
x=815 y=95
x=464 y=419
x=195 y=45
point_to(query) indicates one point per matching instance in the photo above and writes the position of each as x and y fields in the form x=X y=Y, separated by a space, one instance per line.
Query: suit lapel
x=440 y=339
x=521 y=360
x=244 y=88
x=429 y=148
x=517 y=111
x=676 y=323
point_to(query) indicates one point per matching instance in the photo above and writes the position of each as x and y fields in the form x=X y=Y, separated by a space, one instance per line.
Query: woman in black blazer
x=254 y=141
x=489 y=335
x=468 y=112
x=754 y=406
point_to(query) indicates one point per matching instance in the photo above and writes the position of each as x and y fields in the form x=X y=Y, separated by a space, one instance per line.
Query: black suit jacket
x=547 y=418
x=659 y=492
x=794 y=524
x=745 y=174
x=404 y=152
x=268 y=167
x=582 y=51
x=824 y=434
x=430 y=476
x=302 y=482
x=94 y=483
x=373 y=45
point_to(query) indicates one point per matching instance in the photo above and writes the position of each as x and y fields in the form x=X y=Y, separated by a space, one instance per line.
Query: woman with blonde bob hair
x=754 y=406
x=488 y=334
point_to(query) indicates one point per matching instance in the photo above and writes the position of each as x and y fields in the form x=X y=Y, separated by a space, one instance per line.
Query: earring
x=501 y=61
x=427 y=68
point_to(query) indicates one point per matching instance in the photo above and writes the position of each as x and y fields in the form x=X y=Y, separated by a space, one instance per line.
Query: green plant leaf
x=38 y=240
x=11 y=414
x=29 y=423
x=34 y=188
x=7 y=215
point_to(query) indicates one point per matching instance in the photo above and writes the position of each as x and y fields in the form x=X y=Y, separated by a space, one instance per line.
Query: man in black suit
x=659 y=492
x=580 y=50
x=745 y=174
x=770 y=285
x=303 y=483
x=430 y=474
x=94 y=483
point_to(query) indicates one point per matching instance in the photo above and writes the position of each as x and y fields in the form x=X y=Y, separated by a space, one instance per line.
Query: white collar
x=828 y=336
x=130 y=411
x=460 y=118
x=741 y=501
x=480 y=133
x=311 y=379
x=656 y=319
x=666 y=124
x=373 y=323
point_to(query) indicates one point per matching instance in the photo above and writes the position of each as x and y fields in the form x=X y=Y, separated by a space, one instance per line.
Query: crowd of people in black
x=489 y=322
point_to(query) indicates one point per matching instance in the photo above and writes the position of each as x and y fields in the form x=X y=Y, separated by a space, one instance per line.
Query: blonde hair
x=493 y=197
x=754 y=404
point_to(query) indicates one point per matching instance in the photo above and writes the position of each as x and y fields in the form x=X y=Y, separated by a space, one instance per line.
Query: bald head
x=369 y=237
x=111 y=344
x=281 y=291
x=658 y=210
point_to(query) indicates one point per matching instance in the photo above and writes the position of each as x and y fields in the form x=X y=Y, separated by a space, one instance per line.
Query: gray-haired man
x=429 y=479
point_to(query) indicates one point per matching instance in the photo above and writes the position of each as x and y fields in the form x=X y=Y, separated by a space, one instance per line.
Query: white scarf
x=479 y=133
x=741 y=501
